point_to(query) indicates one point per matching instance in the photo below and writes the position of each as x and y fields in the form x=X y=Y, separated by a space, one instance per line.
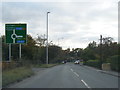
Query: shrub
x=93 y=63
x=10 y=65
x=115 y=62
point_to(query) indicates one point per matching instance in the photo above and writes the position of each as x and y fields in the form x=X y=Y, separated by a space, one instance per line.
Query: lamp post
x=101 y=57
x=47 y=40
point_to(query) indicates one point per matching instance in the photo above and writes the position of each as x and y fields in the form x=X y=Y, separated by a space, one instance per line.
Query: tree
x=41 y=40
x=5 y=51
x=28 y=49
x=107 y=48
x=54 y=53
x=107 y=40
x=92 y=45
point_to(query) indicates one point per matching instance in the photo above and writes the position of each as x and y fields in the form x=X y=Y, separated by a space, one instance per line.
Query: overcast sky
x=71 y=24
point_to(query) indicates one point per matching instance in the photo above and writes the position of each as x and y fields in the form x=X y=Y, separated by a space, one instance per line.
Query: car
x=77 y=62
x=63 y=62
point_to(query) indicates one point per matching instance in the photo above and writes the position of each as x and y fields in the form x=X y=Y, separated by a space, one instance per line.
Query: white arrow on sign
x=19 y=36
x=14 y=34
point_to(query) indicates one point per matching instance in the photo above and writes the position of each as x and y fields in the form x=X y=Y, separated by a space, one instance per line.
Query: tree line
x=97 y=54
x=34 y=51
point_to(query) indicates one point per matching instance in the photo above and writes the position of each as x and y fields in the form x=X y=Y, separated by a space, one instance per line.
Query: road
x=69 y=76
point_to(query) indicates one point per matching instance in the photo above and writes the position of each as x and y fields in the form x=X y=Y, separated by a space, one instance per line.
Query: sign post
x=15 y=34
x=9 y=52
x=20 y=51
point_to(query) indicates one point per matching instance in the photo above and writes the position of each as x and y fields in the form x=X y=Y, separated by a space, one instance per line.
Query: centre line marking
x=71 y=70
x=76 y=74
x=85 y=83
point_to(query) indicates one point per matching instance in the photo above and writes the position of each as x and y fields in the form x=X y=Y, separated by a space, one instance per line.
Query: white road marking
x=81 y=80
x=85 y=83
x=76 y=74
x=71 y=69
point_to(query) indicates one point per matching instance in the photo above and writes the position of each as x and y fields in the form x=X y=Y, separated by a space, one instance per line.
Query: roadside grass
x=15 y=75
x=10 y=76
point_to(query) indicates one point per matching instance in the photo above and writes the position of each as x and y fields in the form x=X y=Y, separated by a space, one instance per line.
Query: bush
x=10 y=65
x=93 y=63
x=115 y=62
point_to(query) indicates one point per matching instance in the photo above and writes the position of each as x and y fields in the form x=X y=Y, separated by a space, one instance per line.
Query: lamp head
x=48 y=12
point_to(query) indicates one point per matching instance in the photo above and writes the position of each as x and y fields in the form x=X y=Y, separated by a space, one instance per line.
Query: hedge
x=115 y=62
x=93 y=63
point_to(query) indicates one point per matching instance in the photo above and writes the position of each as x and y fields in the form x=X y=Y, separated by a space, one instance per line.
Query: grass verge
x=45 y=65
x=15 y=75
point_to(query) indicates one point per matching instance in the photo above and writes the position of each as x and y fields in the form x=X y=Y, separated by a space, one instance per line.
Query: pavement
x=68 y=76
x=110 y=72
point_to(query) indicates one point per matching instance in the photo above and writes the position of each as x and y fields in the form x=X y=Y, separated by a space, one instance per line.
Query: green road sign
x=15 y=33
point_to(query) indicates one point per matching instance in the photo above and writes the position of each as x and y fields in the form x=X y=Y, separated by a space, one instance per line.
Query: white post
x=9 y=52
x=20 y=51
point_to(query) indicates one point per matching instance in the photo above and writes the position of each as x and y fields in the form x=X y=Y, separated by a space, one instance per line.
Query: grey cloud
x=69 y=20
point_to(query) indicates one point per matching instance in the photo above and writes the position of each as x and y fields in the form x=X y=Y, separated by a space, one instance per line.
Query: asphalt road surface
x=69 y=76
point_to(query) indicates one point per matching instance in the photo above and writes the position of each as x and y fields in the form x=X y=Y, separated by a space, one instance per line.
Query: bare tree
x=41 y=40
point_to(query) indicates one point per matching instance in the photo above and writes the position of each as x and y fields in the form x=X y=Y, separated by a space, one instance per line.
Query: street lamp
x=47 y=40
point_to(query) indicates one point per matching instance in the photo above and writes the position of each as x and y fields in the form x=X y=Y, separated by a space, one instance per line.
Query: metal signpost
x=15 y=34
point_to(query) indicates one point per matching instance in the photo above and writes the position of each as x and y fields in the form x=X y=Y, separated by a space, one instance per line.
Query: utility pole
x=47 y=40
x=101 y=51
